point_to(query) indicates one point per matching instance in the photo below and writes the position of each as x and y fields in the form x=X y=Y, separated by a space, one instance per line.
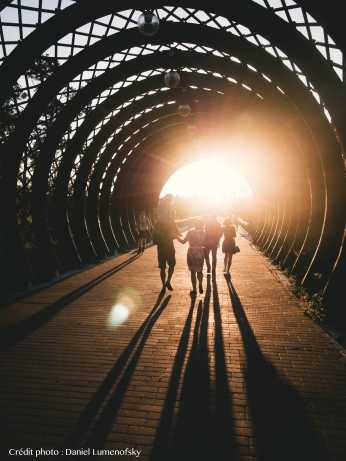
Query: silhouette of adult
x=213 y=232
x=143 y=231
x=165 y=232
x=229 y=247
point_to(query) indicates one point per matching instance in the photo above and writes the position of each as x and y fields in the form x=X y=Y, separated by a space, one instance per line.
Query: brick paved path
x=240 y=373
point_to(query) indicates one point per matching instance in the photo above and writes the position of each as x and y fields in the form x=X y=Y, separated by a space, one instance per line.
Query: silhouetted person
x=229 y=247
x=165 y=232
x=213 y=232
x=143 y=231
x=195 y=255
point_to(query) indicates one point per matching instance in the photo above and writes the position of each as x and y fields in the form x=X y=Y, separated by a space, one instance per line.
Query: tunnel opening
x=209 y=184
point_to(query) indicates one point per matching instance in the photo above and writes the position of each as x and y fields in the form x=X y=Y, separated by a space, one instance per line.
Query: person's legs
x=225 y=262
x=206 y=257
x=171 y=265
x=229 y=262
x=169 y=277
x=163 y=276
x=161 y=258
x=200 y=280
x=193 y=282
x=214 y=256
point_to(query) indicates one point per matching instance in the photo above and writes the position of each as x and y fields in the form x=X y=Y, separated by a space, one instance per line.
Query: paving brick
x=239 y=374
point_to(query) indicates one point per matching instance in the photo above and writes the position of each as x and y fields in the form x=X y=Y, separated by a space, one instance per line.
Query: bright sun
x=210 y=180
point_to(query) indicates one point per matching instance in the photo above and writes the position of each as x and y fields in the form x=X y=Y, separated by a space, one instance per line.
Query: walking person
x=164 y=234
x=195 y=255
x=229 y=247
x=143 y=231
x=213 y=232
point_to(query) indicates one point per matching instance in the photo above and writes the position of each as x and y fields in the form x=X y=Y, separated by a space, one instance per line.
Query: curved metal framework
x=89 y=138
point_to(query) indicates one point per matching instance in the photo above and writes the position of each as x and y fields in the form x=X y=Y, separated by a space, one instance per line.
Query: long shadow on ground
x=283 y=429
x=161 y=444
x=10 y=336
x=96 y=420
x=203 y=427
x=224 y=434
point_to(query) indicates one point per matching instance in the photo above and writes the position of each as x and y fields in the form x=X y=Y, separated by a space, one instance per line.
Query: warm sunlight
x=210 y=180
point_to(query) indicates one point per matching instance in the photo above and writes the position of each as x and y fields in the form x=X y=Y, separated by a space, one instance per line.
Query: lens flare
x=126 y=303
x=119 y=314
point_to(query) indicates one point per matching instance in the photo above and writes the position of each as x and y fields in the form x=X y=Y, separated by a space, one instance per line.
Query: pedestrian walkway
x=102 y=361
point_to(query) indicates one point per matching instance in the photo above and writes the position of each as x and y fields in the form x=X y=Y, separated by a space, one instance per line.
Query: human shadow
x=93 y=426
x=192 y=426
x=161 y=445
x=203 y=426
x=282 y=427
x=224 y=433
x=11 y=335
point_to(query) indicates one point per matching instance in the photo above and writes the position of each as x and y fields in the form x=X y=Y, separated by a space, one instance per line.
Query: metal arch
x=61 y=192
x=138 y=87
x=141 y=165
x=67 y=91
x=280 y=9
x=65 y=72
x=280 y=33
x=134 y=141
x=329 y=17
x=51 y=145
x=316 y=237
x=129 y=179
x=31 y=109
x=99 y=202
x=93 y=218
x=49 y=142
x=104 y=191
x=183 y=59
x=64 y=169
x=58 y=76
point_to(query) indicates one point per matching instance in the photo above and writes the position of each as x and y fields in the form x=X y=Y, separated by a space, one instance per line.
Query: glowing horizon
x=208 y=179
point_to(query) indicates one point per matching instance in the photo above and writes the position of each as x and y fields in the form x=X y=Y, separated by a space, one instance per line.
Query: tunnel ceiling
x=88 y=124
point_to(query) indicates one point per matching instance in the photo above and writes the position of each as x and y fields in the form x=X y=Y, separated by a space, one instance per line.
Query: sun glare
x=211 y=180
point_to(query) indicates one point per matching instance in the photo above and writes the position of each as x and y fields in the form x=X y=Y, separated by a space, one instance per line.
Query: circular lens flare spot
x=119 y=314
x=126 y=303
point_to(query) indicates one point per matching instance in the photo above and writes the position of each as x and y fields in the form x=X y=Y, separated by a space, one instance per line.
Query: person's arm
x=176 y=233
x=183 y=240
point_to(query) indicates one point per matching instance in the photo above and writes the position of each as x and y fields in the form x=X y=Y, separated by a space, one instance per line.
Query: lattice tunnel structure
x=88 y=124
